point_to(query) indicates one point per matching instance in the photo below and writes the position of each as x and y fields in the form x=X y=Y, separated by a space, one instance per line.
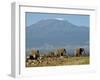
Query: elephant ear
x=83 y=49
x=33 y=52
x=65 y=50
x=37 y=51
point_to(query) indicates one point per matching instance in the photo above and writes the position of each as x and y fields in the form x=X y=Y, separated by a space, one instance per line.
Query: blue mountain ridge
x=52 y=33
x=57 y=33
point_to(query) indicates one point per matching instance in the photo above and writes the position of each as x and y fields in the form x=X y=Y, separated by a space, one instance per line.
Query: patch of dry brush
x=57 y=61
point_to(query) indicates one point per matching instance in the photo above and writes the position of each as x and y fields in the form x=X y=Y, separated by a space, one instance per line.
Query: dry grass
x=56 y=61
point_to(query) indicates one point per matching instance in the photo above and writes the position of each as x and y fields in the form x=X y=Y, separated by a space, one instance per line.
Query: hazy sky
x=79 y=20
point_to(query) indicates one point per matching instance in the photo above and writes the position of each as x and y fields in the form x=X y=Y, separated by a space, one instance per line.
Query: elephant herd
x=60 y=52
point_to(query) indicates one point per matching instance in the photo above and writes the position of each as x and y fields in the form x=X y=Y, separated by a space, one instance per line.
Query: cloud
x=59 y=18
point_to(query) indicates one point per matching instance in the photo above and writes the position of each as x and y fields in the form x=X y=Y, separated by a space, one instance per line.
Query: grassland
x=59 y=61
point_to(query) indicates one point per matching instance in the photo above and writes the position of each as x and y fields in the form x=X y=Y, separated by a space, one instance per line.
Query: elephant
x=35 y=54
x=79 y=52
x=60 y=52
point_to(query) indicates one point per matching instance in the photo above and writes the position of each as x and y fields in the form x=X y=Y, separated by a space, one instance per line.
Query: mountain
x=55 y=33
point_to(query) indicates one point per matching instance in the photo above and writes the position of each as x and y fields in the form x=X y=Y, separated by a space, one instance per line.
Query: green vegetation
x=59 y=61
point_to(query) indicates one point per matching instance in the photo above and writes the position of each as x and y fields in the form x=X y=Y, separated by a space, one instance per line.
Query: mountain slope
x=55 y=33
